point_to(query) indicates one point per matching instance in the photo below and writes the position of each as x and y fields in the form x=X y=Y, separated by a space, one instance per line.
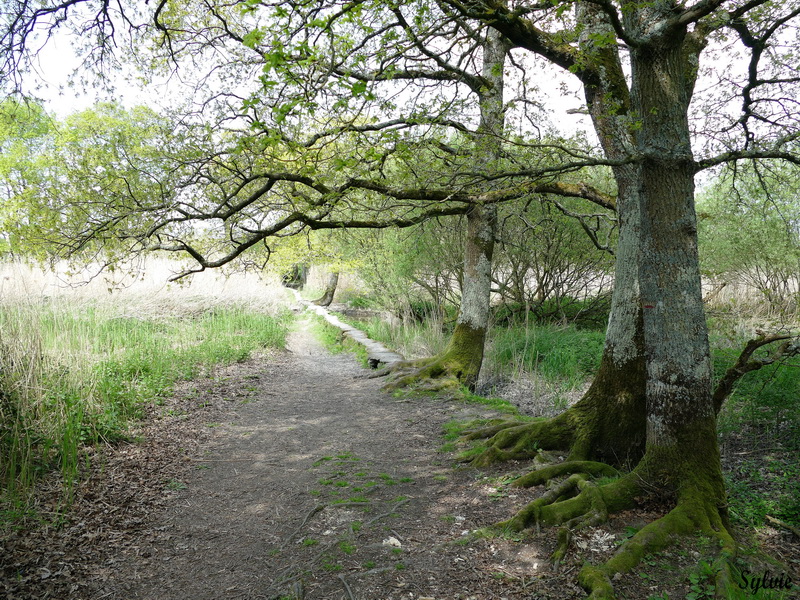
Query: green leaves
x=603 y=39
x=749 y=232
x=253 y=38
x=358 y=88
x=79 y=185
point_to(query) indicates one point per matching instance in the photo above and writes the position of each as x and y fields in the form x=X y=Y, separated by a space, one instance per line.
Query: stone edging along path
x=377 y=354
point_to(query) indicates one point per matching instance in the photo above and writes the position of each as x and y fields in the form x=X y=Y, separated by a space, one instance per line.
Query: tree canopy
x=337 y=116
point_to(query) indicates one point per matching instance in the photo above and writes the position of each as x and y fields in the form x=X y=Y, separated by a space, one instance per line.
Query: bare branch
x=777 y=152
x=746 y=363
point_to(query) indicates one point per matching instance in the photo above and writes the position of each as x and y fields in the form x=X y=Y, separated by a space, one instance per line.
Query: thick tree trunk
x=608 y=423
x=330 y=290
x=610 y=418
x=681 y=460
x=616 y=401
x=655 y=378
x=681 y=425
x=655 y=362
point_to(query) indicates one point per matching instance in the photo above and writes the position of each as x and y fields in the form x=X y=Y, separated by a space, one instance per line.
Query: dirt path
x=316 y=484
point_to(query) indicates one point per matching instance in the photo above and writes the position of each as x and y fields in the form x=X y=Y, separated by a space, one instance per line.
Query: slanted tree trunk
x=460 y=363
x=330 y=290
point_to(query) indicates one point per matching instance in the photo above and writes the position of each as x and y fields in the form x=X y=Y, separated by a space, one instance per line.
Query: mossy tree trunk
x=681 y=460
x=612 y=412
x=608 y=423
x=681 y=447
x=657 y=329
x=464 y=353
x=461 y=361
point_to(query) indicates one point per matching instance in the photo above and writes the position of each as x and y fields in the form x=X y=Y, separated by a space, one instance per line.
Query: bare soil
x=293 y=475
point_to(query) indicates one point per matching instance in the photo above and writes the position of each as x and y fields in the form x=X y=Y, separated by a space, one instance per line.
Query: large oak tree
x=658 y=352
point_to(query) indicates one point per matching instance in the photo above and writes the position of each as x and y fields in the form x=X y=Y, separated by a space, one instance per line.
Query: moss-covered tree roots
x=694 y=513
x=583 y=493
x=459 y=365
x=515 y=440
x=607 y=424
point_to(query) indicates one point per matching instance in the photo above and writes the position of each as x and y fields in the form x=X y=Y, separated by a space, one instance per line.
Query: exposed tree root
x=435 y=374
x=607 y=425
x=545 y=474
x=576 y=502
x=685 y=519
x=459 y=365
x=515 y=440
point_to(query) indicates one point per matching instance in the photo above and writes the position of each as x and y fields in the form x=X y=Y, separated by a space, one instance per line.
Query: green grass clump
x=73 y=374
x=412 y=339
x=498 y=404
x=329 y=336
x=563 y=353
x=334 y=340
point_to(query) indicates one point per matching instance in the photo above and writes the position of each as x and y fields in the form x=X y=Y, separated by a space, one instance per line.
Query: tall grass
x=412 y=339
x=555 y=352
x=77 y=366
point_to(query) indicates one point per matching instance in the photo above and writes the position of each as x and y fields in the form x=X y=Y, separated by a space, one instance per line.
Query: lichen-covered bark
x=681 y=458
x=657 y=331
x=608 y=423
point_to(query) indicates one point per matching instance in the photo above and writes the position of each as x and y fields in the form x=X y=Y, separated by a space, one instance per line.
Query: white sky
x=56 y=83
x=54 y=64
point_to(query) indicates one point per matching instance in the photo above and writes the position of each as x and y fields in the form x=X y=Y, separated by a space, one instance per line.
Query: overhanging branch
x=746 y=363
